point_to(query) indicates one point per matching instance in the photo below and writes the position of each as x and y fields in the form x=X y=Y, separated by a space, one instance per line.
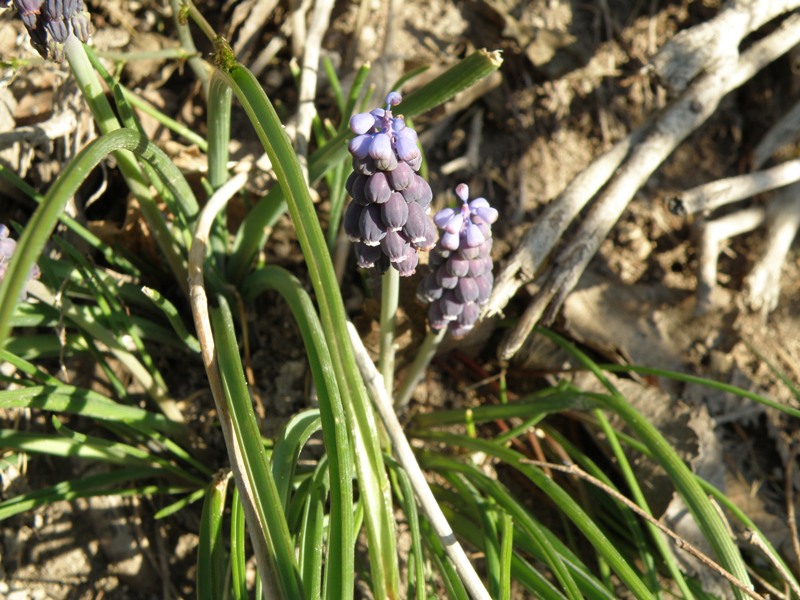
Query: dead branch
x=709 y=196
x=54 y=128
x=763 y=283
x=715 y=43
x=784 y=132
x=252 y=17
x=659 y=139
x=713 y=233
x=320 y=17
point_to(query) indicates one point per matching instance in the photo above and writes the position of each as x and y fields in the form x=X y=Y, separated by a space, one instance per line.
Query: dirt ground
x=573 y=82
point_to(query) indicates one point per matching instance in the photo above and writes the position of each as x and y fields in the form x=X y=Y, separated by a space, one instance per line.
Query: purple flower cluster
x=388 y=217
x=49 y=23
x=7 y=248
x=461 y=277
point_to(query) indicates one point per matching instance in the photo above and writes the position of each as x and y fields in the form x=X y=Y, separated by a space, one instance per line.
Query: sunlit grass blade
x=452 y=582
x=179 y=505
x=709 y=383
x=211 y=572
x=287 y=449
x=638 y=496
x=108 y=122
x=104 y=484
x=708 y=519
x=566 y=503
x=238 y=555
x=175 y=320
x=481 y=493
x=82 y=318
x=403 y=488
x=506 y=551
x=268 y=506
x=312 y=531
x=68 y=399
x=333 y=417
x=537 y=405
x=634 y=531
x=41 y=224
x=523 y=572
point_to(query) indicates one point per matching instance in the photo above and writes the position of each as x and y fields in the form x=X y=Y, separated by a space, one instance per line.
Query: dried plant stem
x=405 y=456
x=417 y=369
x=57 y=126
x=714 y=44
x=306 y=111
x=659 y=139
x=576 y=471
x=757 y=541
x=205 y=336
x=713 y=233
x=763 y=283
x=709 y=196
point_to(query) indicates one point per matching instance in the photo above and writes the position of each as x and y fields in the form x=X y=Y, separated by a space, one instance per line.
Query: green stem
x=417 y=369
x=198 y=65
x=390 y=290
x=219 y=131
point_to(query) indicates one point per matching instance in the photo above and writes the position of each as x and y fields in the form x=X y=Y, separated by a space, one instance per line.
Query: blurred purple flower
x=50 y=22
x=7 y=248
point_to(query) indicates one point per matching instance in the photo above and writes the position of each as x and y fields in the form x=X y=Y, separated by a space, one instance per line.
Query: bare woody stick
x=763 y=283
x=784 y=132
x=541 y=238
x=684 y=116
x=306 y=111
x=712 y=235
x=709 y=196
x=715 y=43
x=405 y=456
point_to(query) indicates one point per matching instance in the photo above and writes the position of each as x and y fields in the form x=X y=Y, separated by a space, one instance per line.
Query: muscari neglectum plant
x=304 y=519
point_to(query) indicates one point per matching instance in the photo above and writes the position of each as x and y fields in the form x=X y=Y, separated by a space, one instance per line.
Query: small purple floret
x=461 y=279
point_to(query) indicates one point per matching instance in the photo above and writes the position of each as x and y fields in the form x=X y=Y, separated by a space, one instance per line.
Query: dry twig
x=308 y=78
x=712 y=234
x=710 y=196
x=763 y=283
x=714 y=45
x=659 y=137
x=405 y=456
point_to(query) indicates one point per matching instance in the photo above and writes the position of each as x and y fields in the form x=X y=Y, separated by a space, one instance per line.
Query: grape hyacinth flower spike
x=388 y=217
x=460 y=279
x=50 y=22
x=7 y=247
